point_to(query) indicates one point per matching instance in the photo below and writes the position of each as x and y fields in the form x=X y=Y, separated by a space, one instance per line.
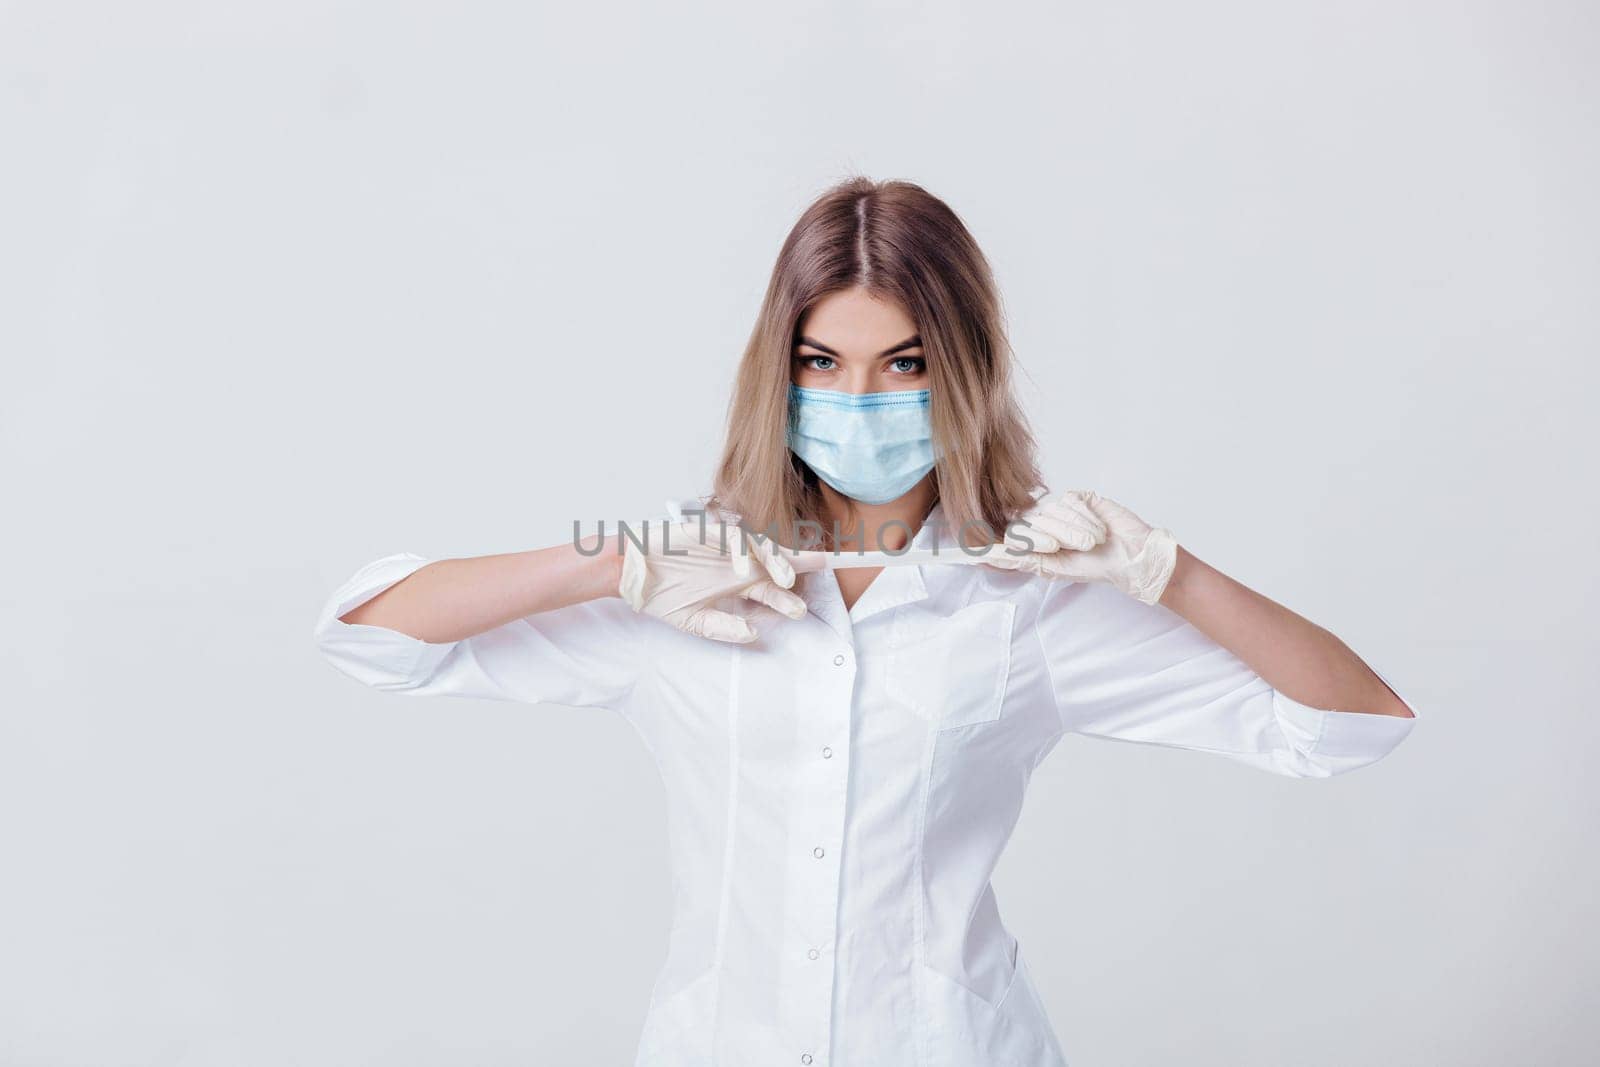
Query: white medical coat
x=839 y=792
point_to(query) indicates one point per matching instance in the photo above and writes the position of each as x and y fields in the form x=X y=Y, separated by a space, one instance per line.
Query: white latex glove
x=688 y=567
x=1081 y=536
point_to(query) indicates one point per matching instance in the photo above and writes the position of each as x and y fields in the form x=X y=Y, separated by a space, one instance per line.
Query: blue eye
x=916 y=364
x=814 y=362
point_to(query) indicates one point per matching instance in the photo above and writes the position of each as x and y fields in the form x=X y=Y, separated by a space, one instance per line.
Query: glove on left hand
x=1084 y=537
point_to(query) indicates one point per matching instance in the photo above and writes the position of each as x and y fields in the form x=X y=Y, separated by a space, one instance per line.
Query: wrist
x=1178 y=583
x=600 y=568
x=611 y=580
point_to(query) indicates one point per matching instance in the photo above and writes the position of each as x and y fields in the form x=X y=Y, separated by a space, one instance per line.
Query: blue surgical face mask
x=872 y=447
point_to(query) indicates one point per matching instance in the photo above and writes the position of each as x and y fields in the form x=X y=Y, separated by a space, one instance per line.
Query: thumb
x=774 y=560
x=1004 y=556
x=779 y=600
x=720 y=626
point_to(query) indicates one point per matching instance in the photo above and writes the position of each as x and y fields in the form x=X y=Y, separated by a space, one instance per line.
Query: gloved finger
x=1069 y=530
x=1050 y=565
x=1013 y=559
x=775 y=560
x=1081 y=503
x=1088 y=496
x=1023 y=536
x=1068 y=522
x=1024 y=563
x=1044 y=531
x=1114 y=512
x=720 y=626
x=778 y=599
x=738 y=543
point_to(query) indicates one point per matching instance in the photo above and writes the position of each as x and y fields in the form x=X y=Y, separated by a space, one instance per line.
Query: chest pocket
x=952 y=670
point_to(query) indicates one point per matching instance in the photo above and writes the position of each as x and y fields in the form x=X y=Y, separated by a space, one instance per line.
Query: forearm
x=1292 y=654
x=452 y=599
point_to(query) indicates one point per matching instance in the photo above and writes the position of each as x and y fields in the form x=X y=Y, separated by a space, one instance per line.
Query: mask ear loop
x=805 y=562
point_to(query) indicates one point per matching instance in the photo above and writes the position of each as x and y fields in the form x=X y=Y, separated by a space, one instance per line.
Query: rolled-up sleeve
x=1127 y=671
x=591 y=654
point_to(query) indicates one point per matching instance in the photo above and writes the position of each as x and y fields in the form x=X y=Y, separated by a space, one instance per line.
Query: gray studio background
x=291 y=286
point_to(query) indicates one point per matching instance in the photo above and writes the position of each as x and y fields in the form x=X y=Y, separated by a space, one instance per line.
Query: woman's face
x=853 y=342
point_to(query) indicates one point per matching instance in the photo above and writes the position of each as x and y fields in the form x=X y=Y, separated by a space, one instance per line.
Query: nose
x=858 y=379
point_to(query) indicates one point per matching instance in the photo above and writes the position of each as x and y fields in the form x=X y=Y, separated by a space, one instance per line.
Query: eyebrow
x=914 y=341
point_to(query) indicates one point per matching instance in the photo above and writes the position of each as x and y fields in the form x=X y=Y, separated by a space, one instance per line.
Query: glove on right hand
x=689 y=564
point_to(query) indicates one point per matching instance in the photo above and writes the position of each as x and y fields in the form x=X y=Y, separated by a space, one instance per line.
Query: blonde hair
x=900 y=243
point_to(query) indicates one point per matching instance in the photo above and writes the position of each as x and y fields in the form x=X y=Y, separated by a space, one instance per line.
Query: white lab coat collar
x=892 y=587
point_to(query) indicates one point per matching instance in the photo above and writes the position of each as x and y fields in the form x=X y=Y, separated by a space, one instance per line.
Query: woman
x=845 y=751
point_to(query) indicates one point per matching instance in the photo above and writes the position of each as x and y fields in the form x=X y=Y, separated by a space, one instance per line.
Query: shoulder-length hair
x=902 y=244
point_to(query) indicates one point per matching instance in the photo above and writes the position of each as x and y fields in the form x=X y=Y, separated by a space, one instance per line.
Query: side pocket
x=952 y=670
x=964 y=1028
x=679 y=1027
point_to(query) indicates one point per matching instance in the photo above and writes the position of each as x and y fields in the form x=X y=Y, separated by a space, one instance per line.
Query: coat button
x=817 y=852
x=805 y=1057
x=827 y=753
x=812 y=954
x=838 y=661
